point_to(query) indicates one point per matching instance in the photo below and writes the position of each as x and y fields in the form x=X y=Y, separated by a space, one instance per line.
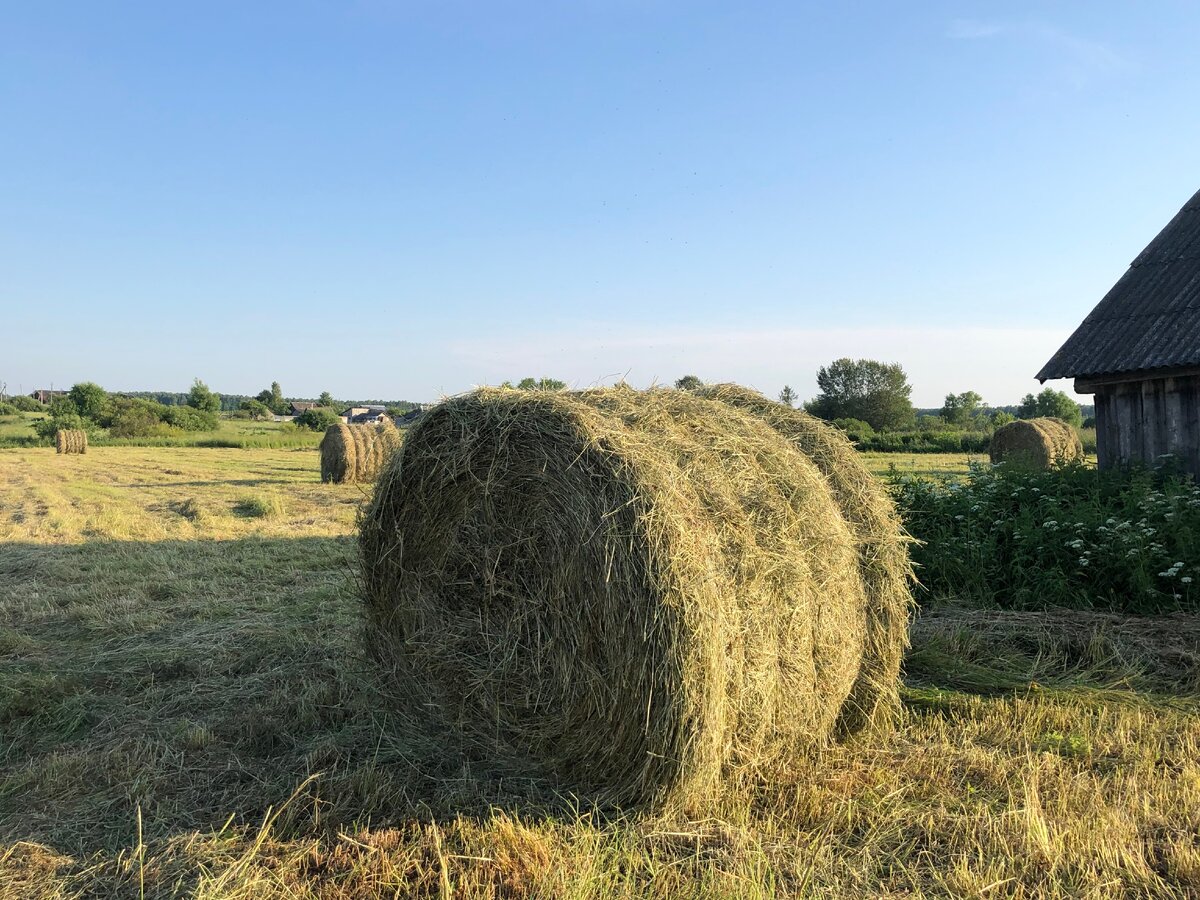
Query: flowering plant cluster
x=1071 y=536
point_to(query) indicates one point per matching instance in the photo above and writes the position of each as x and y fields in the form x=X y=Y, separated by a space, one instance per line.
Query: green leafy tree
x=1050 y=403
x=326 y=399
x=89 y=399
x=689 y=383
x=540 y=384
x=787 y=396
x=273 y=399
x=877 y=393
x=1001 y=417
x=200 y=397
x=317 y=419
x=961 y=409
x=257 y=409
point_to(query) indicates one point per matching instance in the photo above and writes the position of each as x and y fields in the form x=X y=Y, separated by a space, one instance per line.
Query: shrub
x=25 y=404
x=257 y=409
x=128 y=417
x=1068 y=536
x=187 y=418
x=8 y=409
x=925 y=442
x=62 y=418
x=856 y=429
x=317 y=419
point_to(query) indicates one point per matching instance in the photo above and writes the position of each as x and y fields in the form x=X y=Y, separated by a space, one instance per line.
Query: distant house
x=299 y=406
x=365 y=415
x=1138 y=351
x=47 y=396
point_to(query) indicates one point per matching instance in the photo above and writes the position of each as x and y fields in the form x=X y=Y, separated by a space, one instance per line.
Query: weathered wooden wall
x=1140 y=421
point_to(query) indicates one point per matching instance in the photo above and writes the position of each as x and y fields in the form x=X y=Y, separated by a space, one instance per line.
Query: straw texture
x=642 y=598
x=1036 y=443
x=354 y=453
x=882 y=547
x=70 y=440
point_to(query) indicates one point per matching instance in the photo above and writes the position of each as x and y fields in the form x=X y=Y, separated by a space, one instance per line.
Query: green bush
x=8 y=409
x=25 y=404
x=257 y=410
x=128 y=417
x=856 y=429
x=1072 y=536
x=62 y=415
x=187 y=418
x=926 y=442
x=317 y=419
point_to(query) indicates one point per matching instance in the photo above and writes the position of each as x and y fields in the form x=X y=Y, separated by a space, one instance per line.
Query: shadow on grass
x=198 y=680
x=990 y=652
x=238 y=482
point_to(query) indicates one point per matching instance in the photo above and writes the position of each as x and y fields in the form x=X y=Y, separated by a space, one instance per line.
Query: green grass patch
x=262 y=506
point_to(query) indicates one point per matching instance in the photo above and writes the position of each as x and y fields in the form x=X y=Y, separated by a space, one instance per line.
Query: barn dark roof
x=1151 y=317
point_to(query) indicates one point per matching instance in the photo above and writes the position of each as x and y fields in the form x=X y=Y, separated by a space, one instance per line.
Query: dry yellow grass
x=161 y=493
x=185 y=712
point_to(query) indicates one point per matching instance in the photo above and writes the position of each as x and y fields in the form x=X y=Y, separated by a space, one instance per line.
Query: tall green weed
x=1072 y=536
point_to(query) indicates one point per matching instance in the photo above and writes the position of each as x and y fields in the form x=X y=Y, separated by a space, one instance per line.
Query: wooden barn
x=1138 y=351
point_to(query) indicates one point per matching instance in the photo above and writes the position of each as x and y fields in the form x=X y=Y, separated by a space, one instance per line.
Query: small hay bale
x=1035 y=443
x=70 y=440
x=354 y=453
x=646 y=599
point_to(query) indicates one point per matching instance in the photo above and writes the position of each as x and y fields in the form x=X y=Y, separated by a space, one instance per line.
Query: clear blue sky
x=389 y=199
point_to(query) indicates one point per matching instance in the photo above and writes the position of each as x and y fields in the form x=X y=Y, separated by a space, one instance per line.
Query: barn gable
x=1150 y=320
x=1138 y=351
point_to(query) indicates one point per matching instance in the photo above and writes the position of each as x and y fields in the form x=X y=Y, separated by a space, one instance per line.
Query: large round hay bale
x=646 y=598
x=354 y=453
x=882 y=544
x=70 y=440
x=1035 y=443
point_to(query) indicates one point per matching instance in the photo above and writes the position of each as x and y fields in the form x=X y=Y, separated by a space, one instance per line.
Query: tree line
x=878 y=395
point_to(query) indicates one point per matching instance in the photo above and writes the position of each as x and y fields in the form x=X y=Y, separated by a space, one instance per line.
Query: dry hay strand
x=70 y=440
x=882 y=546
x=1036 y=443
x=647 y=599
x=355 y=453
x=1158 y=653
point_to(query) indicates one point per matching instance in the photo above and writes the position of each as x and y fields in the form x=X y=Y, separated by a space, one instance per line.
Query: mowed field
x=185 y=710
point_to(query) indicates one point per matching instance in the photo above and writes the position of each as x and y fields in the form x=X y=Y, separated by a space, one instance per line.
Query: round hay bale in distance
x=645 y=598
x=70 y=440
x=1035 y=443
x=357 y=453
